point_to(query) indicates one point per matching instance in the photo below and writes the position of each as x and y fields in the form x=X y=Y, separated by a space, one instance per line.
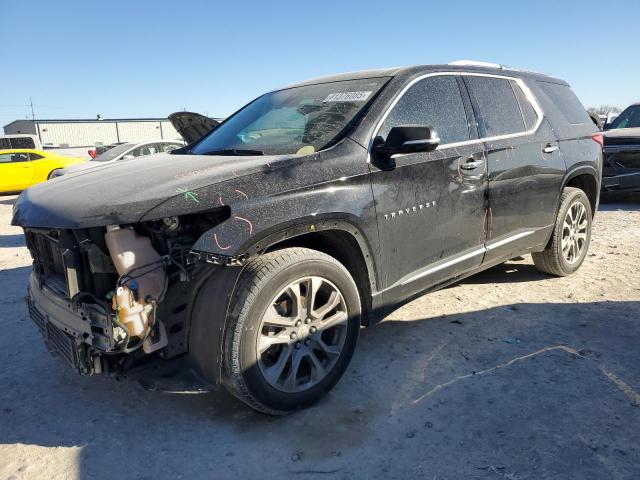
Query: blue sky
x=149 y=58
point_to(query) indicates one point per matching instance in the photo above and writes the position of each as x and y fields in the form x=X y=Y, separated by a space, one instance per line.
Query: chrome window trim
x=525 y=88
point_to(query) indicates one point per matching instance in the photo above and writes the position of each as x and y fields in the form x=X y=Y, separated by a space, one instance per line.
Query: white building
x=87 y=133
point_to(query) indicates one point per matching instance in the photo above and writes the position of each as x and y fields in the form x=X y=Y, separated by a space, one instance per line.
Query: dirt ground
x=509 y=375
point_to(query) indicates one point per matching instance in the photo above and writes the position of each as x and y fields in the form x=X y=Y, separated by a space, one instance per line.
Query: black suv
x=252 y=257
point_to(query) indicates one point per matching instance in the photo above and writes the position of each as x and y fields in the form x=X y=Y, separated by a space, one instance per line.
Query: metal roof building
x=86 y=133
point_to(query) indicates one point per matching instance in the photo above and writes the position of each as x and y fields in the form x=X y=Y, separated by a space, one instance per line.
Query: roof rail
x=474 y=63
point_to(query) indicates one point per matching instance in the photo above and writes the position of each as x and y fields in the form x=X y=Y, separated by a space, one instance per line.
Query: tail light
x=92 y=153
x=598 y=138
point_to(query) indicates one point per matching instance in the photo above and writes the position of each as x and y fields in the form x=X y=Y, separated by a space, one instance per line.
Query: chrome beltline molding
x=479 y=251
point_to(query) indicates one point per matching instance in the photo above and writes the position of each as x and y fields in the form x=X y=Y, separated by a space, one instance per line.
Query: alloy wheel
x=574 y=232
x=302 y=333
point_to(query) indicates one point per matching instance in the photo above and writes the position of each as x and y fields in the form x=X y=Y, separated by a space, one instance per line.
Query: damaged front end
x=111 y=299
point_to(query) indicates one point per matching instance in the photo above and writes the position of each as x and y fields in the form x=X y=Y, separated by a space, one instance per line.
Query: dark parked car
x=251 y=258
x=621 y=169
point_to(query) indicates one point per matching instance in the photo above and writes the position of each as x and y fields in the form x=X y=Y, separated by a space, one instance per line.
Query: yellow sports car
x=21 y=168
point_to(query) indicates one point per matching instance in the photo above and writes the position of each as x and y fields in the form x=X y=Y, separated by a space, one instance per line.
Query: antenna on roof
x=475 y=63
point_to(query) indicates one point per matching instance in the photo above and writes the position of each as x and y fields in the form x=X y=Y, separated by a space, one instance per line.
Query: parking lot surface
x=510 y=374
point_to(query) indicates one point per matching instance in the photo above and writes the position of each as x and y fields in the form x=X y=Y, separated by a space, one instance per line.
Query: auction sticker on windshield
x=347 y=97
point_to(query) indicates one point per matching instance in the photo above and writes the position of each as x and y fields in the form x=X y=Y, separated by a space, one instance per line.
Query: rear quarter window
x=567 y=102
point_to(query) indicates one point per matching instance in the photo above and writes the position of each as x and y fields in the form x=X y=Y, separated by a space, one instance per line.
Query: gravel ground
x=511 y=374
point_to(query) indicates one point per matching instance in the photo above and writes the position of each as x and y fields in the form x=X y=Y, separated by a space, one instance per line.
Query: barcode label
x=347 y=97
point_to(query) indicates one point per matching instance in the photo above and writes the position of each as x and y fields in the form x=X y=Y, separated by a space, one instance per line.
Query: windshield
x=630 y=118
x=299 y=120
x=113 y=152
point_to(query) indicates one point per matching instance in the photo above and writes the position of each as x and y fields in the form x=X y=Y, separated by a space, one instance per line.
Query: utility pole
x=33 y=119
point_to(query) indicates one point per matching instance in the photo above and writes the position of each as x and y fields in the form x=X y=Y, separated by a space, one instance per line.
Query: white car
x=124 y=151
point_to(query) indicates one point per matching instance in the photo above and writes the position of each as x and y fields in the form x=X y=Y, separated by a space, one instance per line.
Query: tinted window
x=434 y=101
x=22 y=142
x=5 y=144
x=499 y=110
x=35 y=156
x=567 y=102
x=529 y=114
x=629 y=118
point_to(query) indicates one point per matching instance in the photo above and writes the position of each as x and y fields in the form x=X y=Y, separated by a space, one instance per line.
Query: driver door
x=16 y=171
x=431 y=205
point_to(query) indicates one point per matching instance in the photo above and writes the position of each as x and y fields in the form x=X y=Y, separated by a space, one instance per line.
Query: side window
x=499 y=110
x=144 y=150
x=35 y=156
x=528 y=113
x=5 y=144
x=168 y=147
x=434 y=101
x=567 y=103
x=14 y=157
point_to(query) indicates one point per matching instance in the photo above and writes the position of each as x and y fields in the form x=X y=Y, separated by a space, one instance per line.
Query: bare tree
x=604 y=109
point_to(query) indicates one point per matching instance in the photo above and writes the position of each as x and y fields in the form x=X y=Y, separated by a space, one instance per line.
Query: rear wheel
x=292 y=329
x=53 y=173
x=571 y=235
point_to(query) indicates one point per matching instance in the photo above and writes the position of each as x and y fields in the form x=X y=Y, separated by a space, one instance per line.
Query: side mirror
x=409 y=139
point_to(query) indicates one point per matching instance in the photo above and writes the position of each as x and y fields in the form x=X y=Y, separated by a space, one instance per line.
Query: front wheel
x=292 y=329
x=571 y=235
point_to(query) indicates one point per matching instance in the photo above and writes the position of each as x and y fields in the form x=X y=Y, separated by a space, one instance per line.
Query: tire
x=266 y=380
x=553 y=260
x=52 y=172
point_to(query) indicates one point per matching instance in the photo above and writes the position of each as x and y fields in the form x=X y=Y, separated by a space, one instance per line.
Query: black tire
x=552 y=260
x=261 y=280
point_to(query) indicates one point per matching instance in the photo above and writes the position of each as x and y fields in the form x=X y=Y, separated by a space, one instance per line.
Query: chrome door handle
x=471 y=164
x=550 y=148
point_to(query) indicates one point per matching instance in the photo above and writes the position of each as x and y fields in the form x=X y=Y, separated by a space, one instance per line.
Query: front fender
x=255 y=225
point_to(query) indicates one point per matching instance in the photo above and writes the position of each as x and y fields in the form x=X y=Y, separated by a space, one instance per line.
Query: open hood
x=192 y=126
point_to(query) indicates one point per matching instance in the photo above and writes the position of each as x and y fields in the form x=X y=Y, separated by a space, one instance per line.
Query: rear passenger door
x=524 y=165
x=430 y=205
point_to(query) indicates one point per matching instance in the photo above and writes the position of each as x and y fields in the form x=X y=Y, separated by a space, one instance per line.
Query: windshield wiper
x=234 y=151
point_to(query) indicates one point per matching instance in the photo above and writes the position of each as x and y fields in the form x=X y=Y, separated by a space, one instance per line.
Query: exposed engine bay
x=121 y=294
